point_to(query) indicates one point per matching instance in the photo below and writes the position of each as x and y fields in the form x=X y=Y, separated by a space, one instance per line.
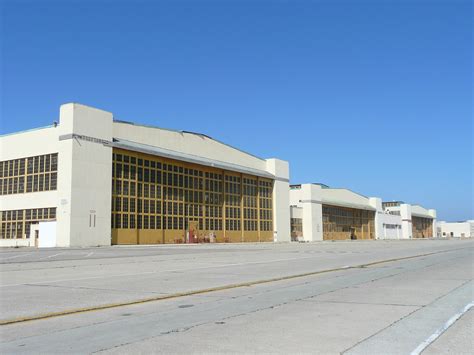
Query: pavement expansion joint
x=404 y=317
x=213 y=289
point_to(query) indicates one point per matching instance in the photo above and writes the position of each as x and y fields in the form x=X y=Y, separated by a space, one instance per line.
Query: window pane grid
x=17 y=223
x=347 y=223
x=30 y=174
x=151 y=192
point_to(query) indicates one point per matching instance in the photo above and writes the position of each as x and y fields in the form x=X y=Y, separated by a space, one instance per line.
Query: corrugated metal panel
x=166 y=153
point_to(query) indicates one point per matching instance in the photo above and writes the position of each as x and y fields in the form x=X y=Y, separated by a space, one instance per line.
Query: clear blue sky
x=375 y=96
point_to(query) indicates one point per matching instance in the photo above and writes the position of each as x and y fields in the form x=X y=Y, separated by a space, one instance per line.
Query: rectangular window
x=16 y=223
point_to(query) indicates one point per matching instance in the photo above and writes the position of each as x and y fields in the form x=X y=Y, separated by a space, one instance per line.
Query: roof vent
x=197 y=134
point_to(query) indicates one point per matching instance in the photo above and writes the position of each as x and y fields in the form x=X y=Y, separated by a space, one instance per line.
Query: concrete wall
x=296 y=212
x=457 y=229
x=433 y=215
x=295 y=197
x=306 y=202
x=281 y=199
x=85 y=177
x=13 y=243
x=405 y=214
x=312 y=212
x=376 y=203
x=388 y=220
x=29 y=143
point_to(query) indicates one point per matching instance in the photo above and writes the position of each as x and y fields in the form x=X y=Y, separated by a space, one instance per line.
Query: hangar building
x=91 y=180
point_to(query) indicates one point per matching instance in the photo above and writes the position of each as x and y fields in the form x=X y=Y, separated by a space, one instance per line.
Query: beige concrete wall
x=29 y=143
x=29 y=200
x=295 y=197
x=281 y=199
x=312 y=212
x=376 y=203
x=407 y=227
x=85 y=178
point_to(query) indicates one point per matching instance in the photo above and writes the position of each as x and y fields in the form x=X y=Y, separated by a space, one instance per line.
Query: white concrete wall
x=29 y=143
x=188 y=143
x=405 y=213
x=41 y=199
x=387 y=219
x=295 y=197
x=457 y=229
x=85 y=178
x=296 y=212
x=392 y=209
x=433 y=214
x=281 y=199
x=13 y=243
x=376 y=203
x=312 y=212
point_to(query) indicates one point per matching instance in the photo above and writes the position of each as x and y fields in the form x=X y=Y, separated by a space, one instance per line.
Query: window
x=29 y=174
x=17 y=223
x=160 y=193
x=422 y=227
x=347 y=223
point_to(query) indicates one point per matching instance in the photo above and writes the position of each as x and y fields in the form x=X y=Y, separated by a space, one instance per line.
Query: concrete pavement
x=389 y=307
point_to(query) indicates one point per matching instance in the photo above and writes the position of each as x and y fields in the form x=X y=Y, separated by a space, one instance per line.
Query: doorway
x=193 y=232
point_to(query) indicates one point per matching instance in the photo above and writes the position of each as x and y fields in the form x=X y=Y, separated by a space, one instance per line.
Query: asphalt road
x=371 y=298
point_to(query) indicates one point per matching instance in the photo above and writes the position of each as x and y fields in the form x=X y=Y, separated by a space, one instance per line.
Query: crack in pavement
x=95 y=288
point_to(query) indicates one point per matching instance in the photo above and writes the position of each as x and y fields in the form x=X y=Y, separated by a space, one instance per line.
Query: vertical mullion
x=224 y=213
x=258 y=208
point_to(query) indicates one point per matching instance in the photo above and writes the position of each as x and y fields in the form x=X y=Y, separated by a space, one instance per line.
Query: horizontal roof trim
x=189 y=158
x=421 y=215
x=28 y=130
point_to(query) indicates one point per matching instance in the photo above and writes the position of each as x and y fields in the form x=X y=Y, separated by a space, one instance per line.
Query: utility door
x=193 y=232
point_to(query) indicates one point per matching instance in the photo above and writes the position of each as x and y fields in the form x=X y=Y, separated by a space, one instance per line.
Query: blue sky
x=375 y=96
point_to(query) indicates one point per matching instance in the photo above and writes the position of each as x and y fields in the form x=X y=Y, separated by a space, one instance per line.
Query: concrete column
x=376 y=203
x=84 y=176
x=281 y=199
x=405 y=213
x=312 y=212
x=432 y=213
